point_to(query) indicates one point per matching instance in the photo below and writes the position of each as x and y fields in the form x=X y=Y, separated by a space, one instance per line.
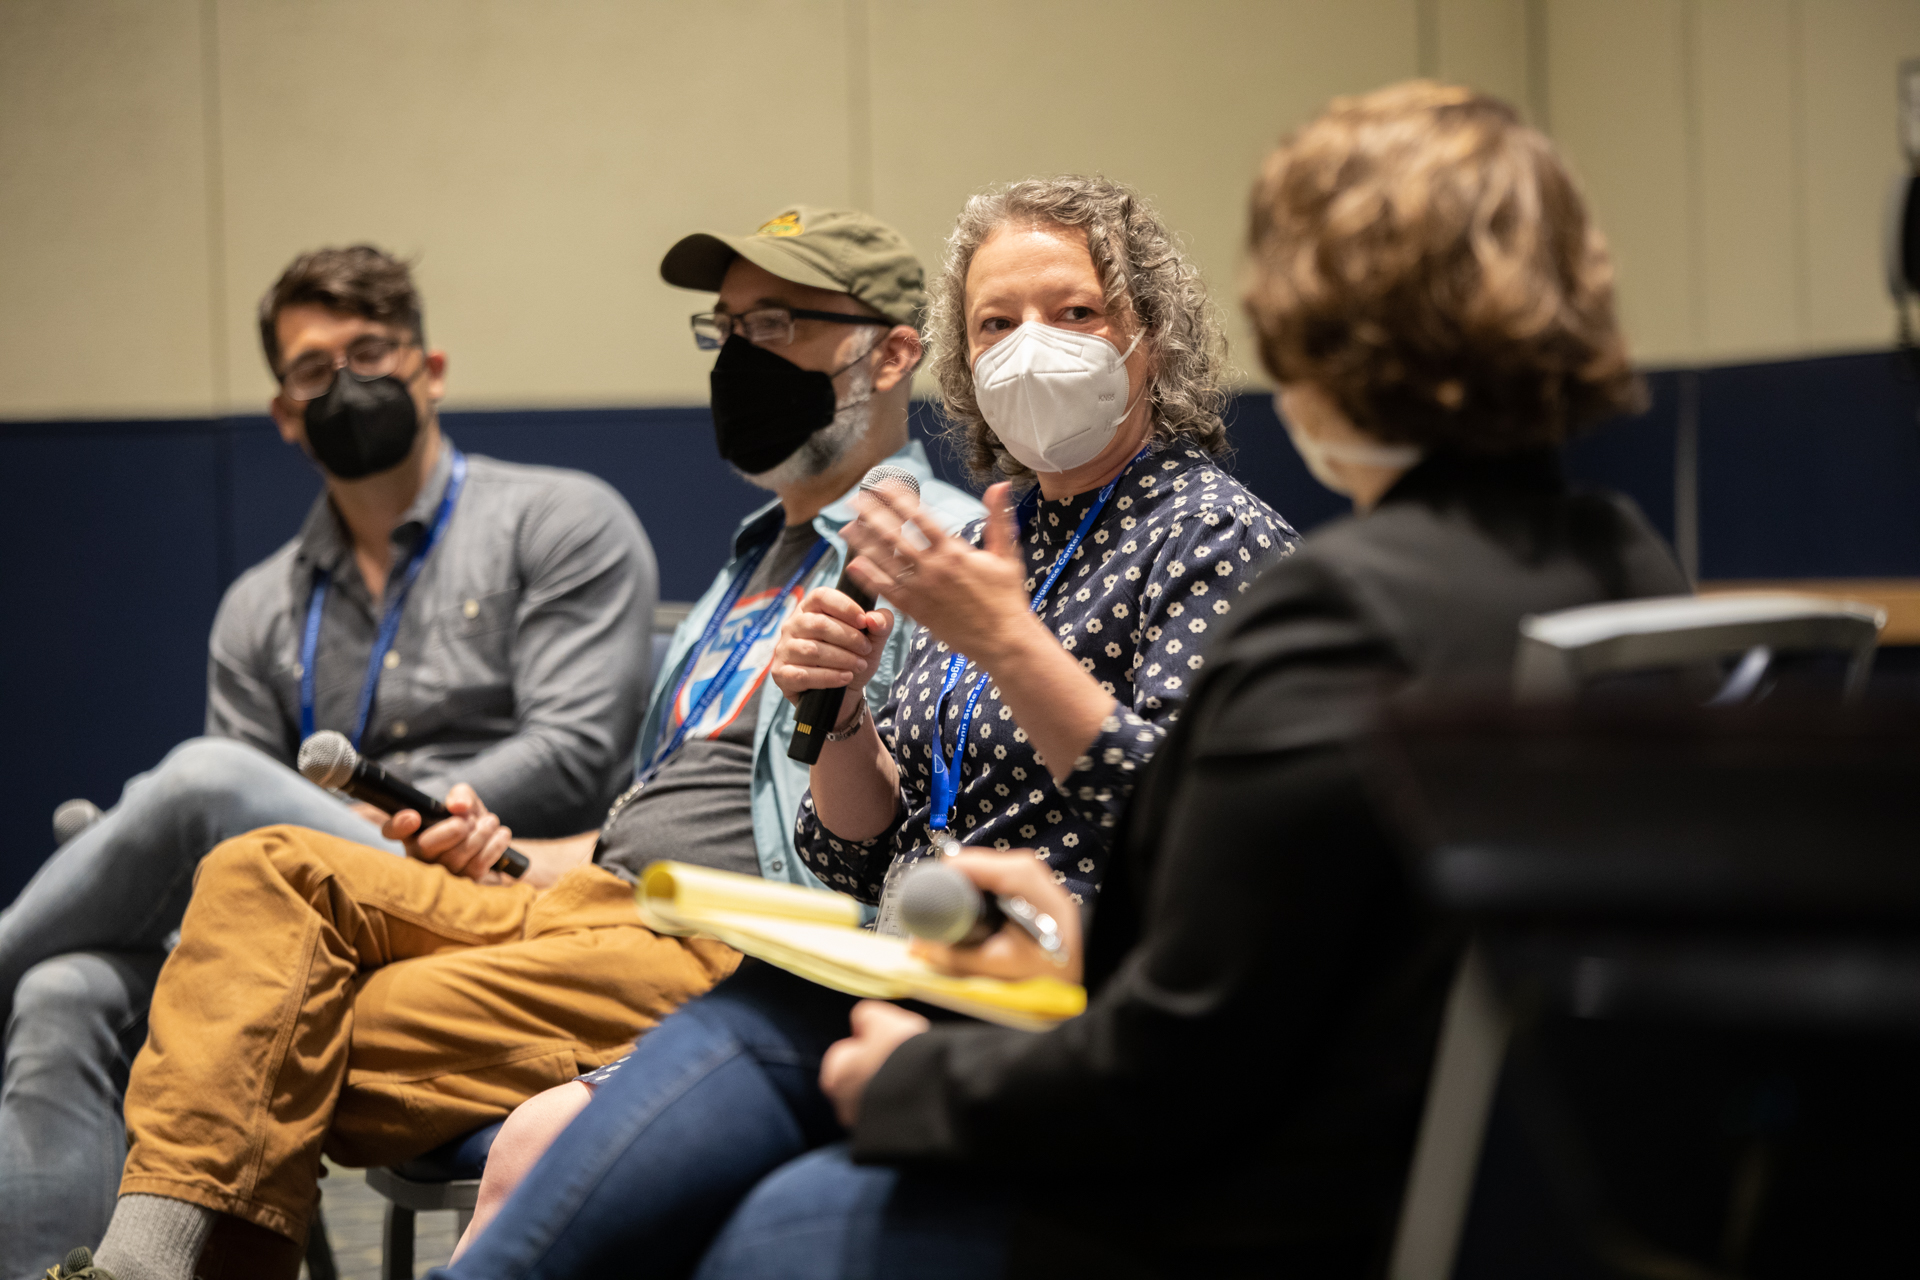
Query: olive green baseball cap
x=839 y=249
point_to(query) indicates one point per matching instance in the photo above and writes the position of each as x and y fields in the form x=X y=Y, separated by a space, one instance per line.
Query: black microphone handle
x=819 y=709
x=986 y=924
x=389 y=794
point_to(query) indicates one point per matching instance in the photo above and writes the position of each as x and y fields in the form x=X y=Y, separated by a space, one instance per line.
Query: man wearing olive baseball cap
x=817 y=326
x=816 y=329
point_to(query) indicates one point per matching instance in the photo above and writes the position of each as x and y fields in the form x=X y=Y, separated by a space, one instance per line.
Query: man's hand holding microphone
x=464 y=837
x=469 y=843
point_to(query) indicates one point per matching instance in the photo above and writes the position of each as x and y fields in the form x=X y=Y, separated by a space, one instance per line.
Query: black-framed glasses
x=367 y=357
x=764 y=326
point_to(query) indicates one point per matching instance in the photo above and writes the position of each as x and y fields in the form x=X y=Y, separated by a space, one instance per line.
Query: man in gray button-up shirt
x=518 y=674
x=520 y=664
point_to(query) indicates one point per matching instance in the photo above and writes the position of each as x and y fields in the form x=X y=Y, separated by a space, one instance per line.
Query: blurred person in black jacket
x=1244 y=1090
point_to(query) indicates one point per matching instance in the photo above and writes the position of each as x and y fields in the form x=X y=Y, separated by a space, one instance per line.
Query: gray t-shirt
x=699 y=806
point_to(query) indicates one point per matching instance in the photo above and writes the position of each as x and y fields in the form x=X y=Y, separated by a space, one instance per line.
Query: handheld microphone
x=73 y=817
x=939 y=903
x=819 y=709
x=328 y=760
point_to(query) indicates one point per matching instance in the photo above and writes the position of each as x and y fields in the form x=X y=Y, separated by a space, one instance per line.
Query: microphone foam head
x=73 y=817
x=887 y=476
x=938 y=902
x=327 y=759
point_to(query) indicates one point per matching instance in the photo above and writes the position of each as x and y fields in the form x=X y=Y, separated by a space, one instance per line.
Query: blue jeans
x=80 y=949
x=823 y=1217
x=718 y=1096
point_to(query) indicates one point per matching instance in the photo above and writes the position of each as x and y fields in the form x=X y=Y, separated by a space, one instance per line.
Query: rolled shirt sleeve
x=859 y=867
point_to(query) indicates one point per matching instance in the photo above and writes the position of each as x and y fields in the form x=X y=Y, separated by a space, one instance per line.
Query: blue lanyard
x=769 y=617
x=389 y=623
x=946 y=775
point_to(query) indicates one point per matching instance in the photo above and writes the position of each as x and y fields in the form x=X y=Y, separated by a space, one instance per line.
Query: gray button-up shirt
x=520 y=666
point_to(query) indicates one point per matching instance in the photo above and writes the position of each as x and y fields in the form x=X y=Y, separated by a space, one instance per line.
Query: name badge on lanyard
x=389 y=621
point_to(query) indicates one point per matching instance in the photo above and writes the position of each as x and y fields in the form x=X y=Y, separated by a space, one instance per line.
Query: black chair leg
x=396 y=1253
x=320 y=1250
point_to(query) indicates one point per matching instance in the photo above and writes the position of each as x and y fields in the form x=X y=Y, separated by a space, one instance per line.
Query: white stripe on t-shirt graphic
x=745 y=681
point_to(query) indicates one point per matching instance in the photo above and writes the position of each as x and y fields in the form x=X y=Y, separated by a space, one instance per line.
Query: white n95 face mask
x=1316 y=453
x=1054 y=397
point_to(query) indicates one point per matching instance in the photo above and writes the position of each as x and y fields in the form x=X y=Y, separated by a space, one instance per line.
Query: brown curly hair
x=1427 y=260
x=1143 y=272
x=359 y=280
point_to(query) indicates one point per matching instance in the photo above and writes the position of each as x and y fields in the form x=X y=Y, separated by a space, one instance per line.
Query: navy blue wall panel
x=1810 y=469
x=122 y=535
x=1635 y=455
x=1266 y=463
x=662 y=460
x=273 y=486
x=113 y=542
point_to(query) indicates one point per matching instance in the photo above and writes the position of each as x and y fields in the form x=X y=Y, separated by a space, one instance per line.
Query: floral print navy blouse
x=1177 y=543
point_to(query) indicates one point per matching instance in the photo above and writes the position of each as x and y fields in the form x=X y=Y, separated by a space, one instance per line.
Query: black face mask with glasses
x=360 y=417
x=764 y=405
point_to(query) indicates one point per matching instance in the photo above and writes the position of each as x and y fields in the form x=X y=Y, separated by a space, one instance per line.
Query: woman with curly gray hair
x=1080 y=360
x=1142 y=275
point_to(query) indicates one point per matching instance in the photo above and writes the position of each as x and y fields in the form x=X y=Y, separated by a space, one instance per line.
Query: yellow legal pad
x=816 y=933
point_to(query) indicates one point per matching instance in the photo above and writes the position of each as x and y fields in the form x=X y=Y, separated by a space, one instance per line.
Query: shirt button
x=391 y=661
x=471 y=608
x=778 y=865
x=399 y=729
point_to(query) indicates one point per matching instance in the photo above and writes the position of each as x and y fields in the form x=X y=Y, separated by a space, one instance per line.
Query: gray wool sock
x=153 y=1238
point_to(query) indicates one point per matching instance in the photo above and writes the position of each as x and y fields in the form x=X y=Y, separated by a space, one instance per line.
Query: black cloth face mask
x=765 y=406
x=360 y=427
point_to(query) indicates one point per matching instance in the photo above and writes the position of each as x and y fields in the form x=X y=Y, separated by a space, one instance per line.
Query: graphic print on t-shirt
x=744 y=683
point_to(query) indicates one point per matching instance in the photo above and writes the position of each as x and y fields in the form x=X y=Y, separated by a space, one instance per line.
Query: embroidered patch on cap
x=787 y=224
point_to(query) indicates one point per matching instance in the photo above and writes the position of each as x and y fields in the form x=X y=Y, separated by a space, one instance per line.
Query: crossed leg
x=522 y=1140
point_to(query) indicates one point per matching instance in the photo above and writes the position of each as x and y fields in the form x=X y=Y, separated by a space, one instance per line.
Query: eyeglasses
x=764 y=326
x=368 y=357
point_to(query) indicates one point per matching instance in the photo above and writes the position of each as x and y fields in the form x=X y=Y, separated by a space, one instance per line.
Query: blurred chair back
x=1643 y=832
x=1697 y=959
x=1562 y=653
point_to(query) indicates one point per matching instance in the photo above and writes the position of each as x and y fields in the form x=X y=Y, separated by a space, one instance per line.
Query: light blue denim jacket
x=778 y=783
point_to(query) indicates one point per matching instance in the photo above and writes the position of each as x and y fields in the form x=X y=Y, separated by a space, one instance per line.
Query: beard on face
x=828 y=447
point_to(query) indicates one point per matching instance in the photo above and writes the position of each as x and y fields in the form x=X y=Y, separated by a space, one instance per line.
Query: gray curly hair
x=1142 y=268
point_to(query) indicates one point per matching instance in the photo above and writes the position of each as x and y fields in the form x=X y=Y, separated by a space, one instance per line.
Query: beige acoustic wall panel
x=1180 y=101
x=1483 y=43
x=1617 y=104
x=103 y=199
x=537 y=158
x=1852 y=49
x=1750 y=219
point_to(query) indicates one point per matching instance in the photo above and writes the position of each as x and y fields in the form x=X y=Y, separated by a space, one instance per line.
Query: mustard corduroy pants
x=330 y=997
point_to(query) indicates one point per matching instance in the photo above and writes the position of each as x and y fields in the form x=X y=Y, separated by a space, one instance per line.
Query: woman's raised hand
x=972 y=598
x=830 y=642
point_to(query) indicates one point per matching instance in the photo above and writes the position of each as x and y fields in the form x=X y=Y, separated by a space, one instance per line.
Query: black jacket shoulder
x=1427 y=589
